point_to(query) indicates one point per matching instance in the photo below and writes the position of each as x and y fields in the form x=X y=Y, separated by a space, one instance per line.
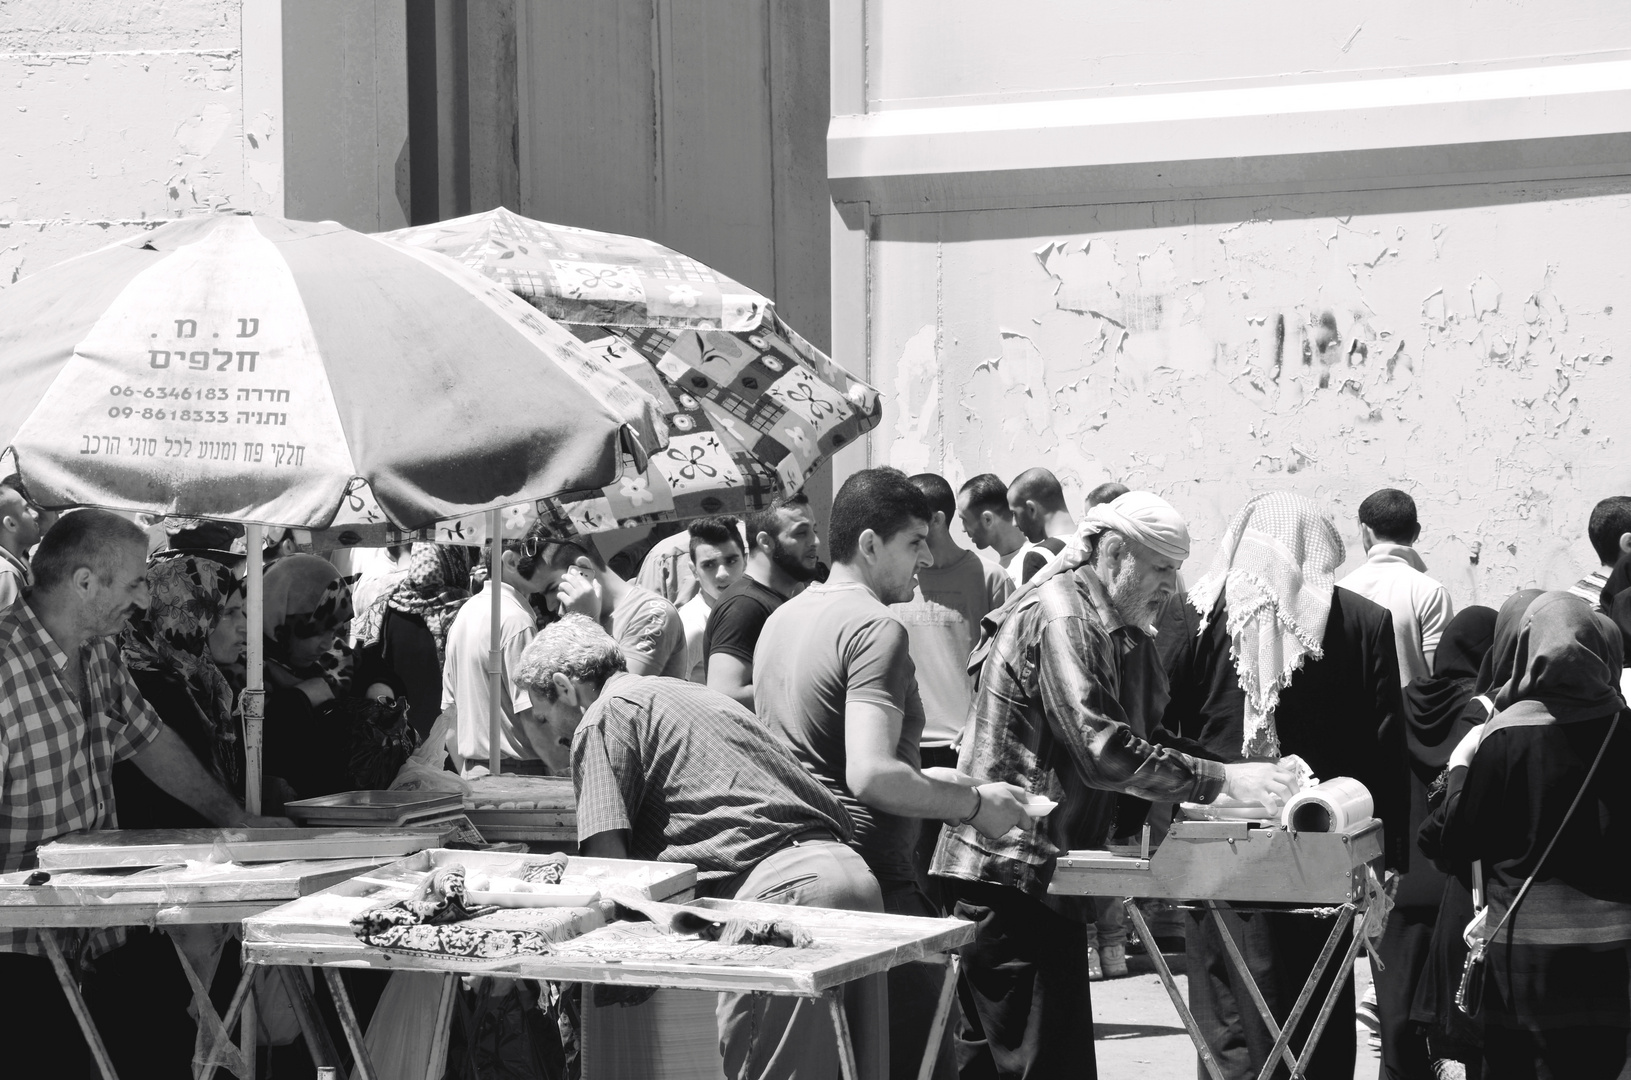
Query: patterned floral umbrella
x=752 y=408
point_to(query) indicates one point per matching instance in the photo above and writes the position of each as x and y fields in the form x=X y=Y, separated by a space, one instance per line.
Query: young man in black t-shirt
x=783 y=546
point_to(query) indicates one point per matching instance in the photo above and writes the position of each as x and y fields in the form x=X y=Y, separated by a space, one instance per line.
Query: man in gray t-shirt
x=833 y=676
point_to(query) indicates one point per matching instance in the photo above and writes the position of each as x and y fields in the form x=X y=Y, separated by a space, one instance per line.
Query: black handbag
x=1469 y=995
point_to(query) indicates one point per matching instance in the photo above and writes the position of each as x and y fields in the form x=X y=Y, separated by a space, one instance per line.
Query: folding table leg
x=1252 y=989
x=840 y=1024
x=1344 y=919
x=348 y=1021
x=1329 y=1004
x=1208 y=1059
x=236 y=1006
x=70 y=989
x=215 y=1033
x=942 y=1010
x=311 y=1022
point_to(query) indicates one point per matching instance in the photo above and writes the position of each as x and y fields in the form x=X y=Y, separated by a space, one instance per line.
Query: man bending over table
x=670 y=771
x=70 y=711
x=1063 y=685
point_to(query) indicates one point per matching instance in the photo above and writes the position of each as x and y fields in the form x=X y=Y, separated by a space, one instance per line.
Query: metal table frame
x=1346 y=916
x=1236 y=865
x=354 y=1034
x=52 y=923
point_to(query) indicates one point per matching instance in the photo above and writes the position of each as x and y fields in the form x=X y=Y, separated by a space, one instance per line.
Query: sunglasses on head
x=534 y=546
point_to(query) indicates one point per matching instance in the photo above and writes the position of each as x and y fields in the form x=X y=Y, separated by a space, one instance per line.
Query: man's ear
x=938 y=520
x=565 y=689
x=582 y=563
x=1625 y=543
x=82 y=578
x=866 y=544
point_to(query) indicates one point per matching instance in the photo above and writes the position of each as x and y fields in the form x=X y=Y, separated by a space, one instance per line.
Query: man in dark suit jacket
x=1340 y=711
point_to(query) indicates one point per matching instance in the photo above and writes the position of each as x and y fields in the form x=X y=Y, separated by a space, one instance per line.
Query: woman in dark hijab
x=329 y=728
x=1557 y=990
x=1450 y=1035
x=1435 y=721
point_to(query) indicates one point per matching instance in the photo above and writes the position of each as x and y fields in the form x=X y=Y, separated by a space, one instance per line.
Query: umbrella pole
x=254 y=710
x=254 y=707
x=495 y=654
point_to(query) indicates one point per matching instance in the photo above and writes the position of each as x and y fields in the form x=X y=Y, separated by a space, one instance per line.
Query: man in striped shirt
x=70 y=711
x=1610 y=533
x=668 y=770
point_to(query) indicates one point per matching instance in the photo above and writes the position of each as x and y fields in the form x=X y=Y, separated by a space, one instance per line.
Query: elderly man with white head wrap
x=1286 y=662
x=1066 y=675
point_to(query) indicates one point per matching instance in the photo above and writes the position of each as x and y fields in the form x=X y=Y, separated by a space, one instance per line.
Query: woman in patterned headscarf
x=322 y=735
x=1286 y=662
x=406 y=628
x=193 y=627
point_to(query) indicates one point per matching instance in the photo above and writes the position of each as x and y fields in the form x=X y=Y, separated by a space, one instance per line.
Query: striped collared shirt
x=1059 y=683
x=693 y=776
x=56 y=756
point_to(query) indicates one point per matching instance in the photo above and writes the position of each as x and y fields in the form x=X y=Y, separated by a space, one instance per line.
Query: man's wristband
x=979 y=804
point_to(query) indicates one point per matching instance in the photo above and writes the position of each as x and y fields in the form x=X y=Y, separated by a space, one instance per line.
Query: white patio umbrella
x=270 y=372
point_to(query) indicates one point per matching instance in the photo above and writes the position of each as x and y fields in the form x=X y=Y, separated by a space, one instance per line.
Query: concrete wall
x=120 y=116
x=1097 y=241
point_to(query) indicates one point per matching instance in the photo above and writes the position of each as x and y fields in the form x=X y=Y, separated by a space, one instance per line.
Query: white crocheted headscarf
x=1275 y=569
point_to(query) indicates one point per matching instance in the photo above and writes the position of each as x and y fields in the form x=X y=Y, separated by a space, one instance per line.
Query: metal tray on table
x=381 y=808
x=529 y=808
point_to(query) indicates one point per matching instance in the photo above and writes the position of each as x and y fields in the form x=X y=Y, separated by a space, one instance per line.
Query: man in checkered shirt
x=668 y=770
x=70 y=711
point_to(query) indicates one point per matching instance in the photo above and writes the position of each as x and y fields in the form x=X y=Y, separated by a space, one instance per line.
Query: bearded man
x=783 y=556
x=1065 y=681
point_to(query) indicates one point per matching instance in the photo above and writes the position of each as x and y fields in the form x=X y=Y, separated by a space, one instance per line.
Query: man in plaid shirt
x=1071 y=662
x=70 y=711
x=668 y=770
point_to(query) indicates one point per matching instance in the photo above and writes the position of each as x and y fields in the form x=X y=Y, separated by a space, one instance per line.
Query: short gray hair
x=94 y=539
x=574 y=646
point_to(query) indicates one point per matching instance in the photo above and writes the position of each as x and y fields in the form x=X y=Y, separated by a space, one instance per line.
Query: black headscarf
x=1496 y=670
x=1566 y=664
x=1433 y=706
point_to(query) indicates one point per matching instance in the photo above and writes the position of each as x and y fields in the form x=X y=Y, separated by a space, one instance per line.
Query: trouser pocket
x=779 y=892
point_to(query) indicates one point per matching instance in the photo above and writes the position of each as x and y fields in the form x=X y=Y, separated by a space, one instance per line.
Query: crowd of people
x=869 y=732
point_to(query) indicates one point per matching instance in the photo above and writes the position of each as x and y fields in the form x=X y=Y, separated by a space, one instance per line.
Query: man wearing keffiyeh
x=1066 y=674
x=1286 y=662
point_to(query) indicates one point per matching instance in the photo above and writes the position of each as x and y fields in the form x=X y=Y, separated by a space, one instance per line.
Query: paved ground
x=1139 y=1035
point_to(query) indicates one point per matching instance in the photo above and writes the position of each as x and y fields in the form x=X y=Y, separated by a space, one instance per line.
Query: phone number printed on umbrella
x=174 y=393
x=200 y=416
x=207 y=393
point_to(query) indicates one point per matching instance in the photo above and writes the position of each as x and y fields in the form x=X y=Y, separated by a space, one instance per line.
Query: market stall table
x=316 y=931
x=55 y=903
x=1245 y=864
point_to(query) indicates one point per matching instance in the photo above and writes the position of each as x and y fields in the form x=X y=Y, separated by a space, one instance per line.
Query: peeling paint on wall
x=1466 y=354
x=118 y=118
